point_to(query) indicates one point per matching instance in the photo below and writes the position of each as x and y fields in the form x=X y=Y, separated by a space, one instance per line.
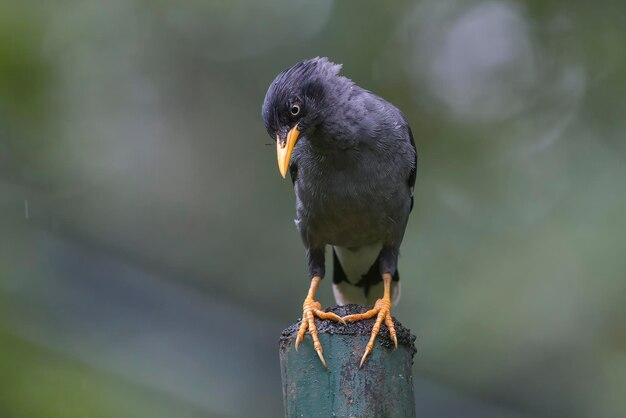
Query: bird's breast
x=352 y=197
x=349 y=207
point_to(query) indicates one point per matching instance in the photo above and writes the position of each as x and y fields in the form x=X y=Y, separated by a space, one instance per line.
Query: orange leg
x=382 y=312
x=310 y=309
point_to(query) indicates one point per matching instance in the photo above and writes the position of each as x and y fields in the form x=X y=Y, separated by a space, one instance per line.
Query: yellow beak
x=284 y=149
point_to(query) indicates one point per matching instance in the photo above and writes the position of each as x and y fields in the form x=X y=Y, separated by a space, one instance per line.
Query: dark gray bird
x=352 y=160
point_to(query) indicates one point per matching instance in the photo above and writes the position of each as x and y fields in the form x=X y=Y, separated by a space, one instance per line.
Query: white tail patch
x=346 y=293
x=356 y=263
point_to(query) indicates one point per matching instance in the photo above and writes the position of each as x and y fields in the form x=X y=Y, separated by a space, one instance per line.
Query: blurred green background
x=148 y=257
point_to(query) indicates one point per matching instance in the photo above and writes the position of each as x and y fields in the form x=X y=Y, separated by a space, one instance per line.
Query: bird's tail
x=356 y=276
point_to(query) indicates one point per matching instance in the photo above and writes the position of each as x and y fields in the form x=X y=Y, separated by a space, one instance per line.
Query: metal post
x=382 y=388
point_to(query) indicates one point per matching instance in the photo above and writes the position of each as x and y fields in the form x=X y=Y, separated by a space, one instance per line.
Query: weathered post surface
x=382 y=388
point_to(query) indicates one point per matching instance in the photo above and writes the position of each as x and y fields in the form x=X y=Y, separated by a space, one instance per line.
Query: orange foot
x=310 y=309
x=382 y=311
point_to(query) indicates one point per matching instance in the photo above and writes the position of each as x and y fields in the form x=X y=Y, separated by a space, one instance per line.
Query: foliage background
x=148 y=258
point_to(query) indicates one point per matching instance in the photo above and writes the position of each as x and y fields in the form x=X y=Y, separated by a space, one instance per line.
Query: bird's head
x=295 y=104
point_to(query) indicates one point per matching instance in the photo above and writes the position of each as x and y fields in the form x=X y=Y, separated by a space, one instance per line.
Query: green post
x=382 y=388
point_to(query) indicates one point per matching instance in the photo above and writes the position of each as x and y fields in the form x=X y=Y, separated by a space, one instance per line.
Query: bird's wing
x=293 y=171
x=413 y=173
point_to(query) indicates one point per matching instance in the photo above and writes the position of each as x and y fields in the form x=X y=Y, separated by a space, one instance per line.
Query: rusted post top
x=383 y=387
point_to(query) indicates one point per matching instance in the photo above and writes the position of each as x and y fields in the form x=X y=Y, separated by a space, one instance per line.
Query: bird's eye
x=294 y=110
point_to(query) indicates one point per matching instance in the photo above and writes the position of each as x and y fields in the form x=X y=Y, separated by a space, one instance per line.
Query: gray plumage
x=353 y=170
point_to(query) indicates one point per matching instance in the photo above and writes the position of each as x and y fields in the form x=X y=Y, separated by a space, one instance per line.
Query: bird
x=352 y=160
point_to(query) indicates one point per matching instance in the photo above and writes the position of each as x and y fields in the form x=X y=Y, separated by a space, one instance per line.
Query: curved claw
x=321 y=356
x=367 y=351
